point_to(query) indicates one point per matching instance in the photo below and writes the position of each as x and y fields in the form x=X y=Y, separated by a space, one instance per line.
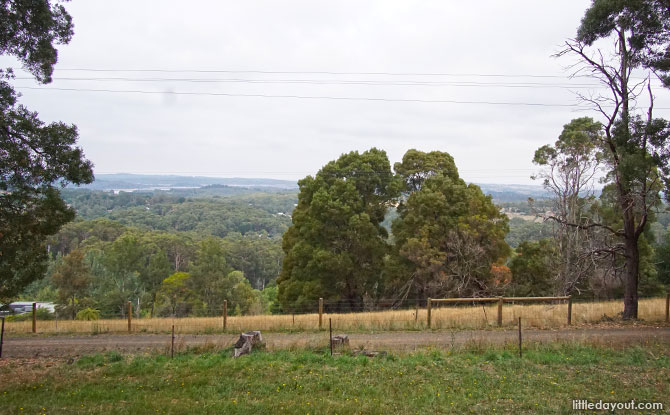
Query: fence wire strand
x=412 y=316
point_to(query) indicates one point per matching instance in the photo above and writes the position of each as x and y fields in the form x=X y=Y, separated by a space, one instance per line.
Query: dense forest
x=182 y=251
x=155 y=247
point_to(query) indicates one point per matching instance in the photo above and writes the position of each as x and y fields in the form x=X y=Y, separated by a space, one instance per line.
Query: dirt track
x=65 y=346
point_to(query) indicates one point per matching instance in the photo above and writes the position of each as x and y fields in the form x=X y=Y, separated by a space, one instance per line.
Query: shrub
x=88 y=314
x=40 y=314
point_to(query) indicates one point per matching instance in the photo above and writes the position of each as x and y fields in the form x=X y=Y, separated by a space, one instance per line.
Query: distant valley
x=203 y=186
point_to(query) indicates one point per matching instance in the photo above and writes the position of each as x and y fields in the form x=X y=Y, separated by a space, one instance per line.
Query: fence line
x=414 y=318
x=500 y=301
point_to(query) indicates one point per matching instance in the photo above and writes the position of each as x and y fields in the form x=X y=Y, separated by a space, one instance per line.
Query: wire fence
x=412 y=314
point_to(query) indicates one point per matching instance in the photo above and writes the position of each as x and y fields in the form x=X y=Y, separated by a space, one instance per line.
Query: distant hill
x=132 y=182
x=513 y=192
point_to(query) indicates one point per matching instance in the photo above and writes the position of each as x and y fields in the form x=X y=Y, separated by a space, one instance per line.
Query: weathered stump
x=340 y=341
x=246 y=342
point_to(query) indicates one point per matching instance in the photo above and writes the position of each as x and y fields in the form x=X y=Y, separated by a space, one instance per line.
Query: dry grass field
x=443 y=317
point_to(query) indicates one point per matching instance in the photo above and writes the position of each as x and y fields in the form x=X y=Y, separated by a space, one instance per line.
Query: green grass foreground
x=545 y=380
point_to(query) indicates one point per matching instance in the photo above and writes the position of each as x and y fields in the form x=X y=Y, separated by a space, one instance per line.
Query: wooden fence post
x=2 y=335
x=416 y=311
x=130 y=316
x=172 y=344
x=500 y=306
x=569 y=310
x=667 y=308
x=429 y=306
x=320 y=313
x=225 y=314
x=519 y=336
x=34 y=317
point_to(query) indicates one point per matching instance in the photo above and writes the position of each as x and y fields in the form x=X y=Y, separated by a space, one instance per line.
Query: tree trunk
x=631 y=279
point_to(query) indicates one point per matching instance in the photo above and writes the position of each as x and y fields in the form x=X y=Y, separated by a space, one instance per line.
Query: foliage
x=662 y=259
x=175 y=296
x=214 y=281
x=270 y=298
x=610 y=269
x=259 y=258
x=156 y=269
x=40 y=314
x=501 y=275
x=237 y=290
x=249 y=214
x=208 y=274
x=88 y=314
x=128 y=264
x=525 y=230
x=81 y=234
x=634 y=150
x=534 y=267
x=447 y=234
x=72 y=279
x=570 y=167
x=36 y=157
x=336 y=245
x=123 y=261
x=648 y=25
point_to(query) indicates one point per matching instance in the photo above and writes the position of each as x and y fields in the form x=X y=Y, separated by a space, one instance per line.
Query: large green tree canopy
x=35 y=158
x=336 y=245
x=448 y=234
x=448 y=238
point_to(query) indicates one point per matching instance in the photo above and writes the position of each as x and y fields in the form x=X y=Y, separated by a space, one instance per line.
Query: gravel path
x=69 y=346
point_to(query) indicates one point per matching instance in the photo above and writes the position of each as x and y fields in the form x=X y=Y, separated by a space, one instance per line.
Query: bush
x=88 y=314
x=40 y=314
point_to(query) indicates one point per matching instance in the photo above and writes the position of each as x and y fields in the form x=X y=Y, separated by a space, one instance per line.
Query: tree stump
x=246 y=342
x=341 y=341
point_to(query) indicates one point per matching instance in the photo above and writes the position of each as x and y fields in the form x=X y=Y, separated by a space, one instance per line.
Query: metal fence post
x=667 y=308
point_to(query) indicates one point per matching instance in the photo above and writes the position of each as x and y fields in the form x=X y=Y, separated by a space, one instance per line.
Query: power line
x=336 y=73
x=334 y=82
x=323 y=97
x=309 y=97
x=339 y=73
x=310 y=72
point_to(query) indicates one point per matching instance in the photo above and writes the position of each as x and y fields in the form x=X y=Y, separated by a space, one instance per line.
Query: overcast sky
x=406 y=68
